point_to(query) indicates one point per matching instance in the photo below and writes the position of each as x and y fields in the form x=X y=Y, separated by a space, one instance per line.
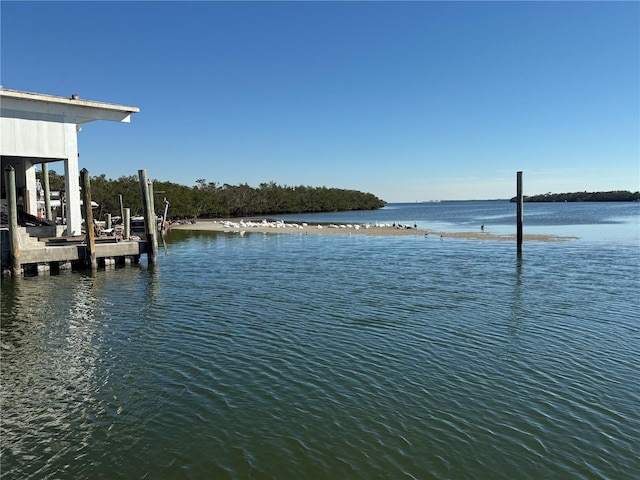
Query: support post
x=107 y=221
x=149 y=218
x=47 y=191
x=88 y=219
x=72 y=187
x=152 y=202
x=12 y=210
x=121 y=209
x=127 y=223
x=28 y=203
x=520 y=212
x=30 y=190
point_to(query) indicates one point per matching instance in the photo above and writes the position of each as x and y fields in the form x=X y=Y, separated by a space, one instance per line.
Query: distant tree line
x=614 y=196
x=212 y=200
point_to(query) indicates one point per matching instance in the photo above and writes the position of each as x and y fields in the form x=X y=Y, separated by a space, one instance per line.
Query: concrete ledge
x=72 y=253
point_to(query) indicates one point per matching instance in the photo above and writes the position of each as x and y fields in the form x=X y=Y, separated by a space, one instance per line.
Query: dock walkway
x=46 y=254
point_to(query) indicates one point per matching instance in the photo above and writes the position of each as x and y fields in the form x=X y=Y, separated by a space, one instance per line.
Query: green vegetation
x=615 y=196
x=211 y=200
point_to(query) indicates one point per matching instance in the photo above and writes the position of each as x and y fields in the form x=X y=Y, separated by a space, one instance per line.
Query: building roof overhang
x=72 y=109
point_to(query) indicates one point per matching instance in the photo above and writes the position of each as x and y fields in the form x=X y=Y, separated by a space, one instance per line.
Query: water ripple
x=313 y=357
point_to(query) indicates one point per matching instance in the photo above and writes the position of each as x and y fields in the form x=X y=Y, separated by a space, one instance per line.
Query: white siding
x=38 y=138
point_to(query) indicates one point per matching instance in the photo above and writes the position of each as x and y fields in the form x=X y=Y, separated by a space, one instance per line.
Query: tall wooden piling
x=85 y=184
x=152 y=202
x=520 y=211
x=12 y=210
x=47 y=191
x=149 y=218
x=153 y=226
x=127 y=223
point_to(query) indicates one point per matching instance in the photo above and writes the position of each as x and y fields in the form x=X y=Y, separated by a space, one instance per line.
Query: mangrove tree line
x=212 y=200
x=613 y=196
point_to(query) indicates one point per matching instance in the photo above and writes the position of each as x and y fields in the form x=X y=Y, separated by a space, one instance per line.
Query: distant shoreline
x=239 y=226
x=613 y=196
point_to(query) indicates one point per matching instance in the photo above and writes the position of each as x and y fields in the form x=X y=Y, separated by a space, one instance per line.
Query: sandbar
x=240 y=226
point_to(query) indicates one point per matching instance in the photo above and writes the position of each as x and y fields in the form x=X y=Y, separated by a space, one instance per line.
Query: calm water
x=324 y=357
x=589 y=221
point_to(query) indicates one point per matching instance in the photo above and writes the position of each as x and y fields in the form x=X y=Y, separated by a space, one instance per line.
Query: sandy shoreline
x=240 y=226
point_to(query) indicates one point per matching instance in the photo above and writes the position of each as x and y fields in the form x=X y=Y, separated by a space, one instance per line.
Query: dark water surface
x=323 y=357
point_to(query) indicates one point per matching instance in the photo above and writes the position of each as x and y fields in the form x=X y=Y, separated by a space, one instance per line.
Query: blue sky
x=410 y=101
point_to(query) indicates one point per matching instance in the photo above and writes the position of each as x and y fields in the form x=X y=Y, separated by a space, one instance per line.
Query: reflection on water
x=53 y=335
x=49 y=350
x=286 y=356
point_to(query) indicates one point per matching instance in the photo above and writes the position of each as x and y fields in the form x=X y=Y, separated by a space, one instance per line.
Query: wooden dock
x=56 y=254
x=36 y=246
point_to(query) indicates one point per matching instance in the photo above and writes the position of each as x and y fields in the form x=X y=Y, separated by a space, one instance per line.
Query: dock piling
x=520 y=212
x=149 y=218
x=12 y=210
x=127 y=223
x=85 y=183
x=121 y=208
x=47 y=191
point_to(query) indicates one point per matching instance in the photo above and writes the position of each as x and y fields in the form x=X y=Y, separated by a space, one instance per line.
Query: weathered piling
x=152 y=203
x=520 y=211
x=121 y=208
x=149 y=218
x=127 y=223
x=85 y=183
x=12 y=210
x=107 y=221
x=47 y=191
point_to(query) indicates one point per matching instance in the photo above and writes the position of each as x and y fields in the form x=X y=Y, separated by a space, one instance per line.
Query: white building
x=37 y=128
